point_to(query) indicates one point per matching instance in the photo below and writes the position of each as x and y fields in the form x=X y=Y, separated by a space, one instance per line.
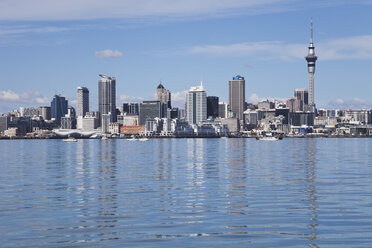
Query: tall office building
x=58 y=107
x=149 y=110
x=82 y=101
x=311 y=59
x=302 y=95
x=131 y=108
x=237 y=96
x=107 y=96
x=196 y=105
x=212 y=106
x=222 y=110
x=163 y=95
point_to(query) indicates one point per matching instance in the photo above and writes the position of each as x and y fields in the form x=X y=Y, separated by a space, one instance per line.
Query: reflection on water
x=186 y=193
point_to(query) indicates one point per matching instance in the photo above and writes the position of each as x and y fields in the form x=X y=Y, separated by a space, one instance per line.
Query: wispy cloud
x=106 y=54
x=350 y=103
x=132 y=99
x=357 y=47
x=28 y=97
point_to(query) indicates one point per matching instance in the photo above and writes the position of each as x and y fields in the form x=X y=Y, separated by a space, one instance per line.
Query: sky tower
x=311 y=58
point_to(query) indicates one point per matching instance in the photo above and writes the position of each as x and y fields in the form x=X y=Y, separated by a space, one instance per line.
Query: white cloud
x=179 y=99
x=105 y=54
x=351 y=103
x=254 y=98
x=357 y=47
x=28 y=97
x=131 y=99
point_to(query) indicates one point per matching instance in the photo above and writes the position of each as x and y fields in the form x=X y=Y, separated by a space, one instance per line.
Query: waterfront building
x=149 y=110
x=302 y=96
x=89 y=123
x=311 y=59
x=107 y=96
x=45 y=112
x=196 y=105
x=302 y=118
x=237 y=96
x=4 y=120
x=82 y=101
x=212 y=106
x=222 y=109
x=105 y=122
x=59 y=106
x=67 y=122
x=250 y=119
x=164 y=96
x=114 y=128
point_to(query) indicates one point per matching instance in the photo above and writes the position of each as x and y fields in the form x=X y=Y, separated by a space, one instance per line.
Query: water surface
x=186 y=193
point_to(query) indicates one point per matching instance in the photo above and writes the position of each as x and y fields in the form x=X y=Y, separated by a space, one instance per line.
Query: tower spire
x=311 y=30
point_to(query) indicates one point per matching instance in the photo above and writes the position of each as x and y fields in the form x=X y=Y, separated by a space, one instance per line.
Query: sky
x=50 y=47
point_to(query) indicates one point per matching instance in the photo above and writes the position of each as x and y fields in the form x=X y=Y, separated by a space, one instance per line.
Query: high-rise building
x=237 y=96
x=131 y=108
x=82 y=100
x=222 y=109
x=311 y=59
x=45 y=112
x=58 y=107
x=196 y=105
x=302 y=95
x=107 y=96
x=212 y=106
x=149 y=110
x=163 y=95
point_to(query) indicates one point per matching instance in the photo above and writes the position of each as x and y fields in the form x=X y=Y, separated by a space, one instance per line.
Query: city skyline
x=42 y=56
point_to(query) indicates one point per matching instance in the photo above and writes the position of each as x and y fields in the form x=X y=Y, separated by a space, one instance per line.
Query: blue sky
x=53 y=46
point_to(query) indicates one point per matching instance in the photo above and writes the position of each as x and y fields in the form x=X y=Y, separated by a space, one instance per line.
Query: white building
x=196 y=105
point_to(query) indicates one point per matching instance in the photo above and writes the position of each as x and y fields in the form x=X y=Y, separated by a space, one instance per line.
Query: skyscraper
x=163 y=95
x=149 y=110
x=311 y=59
x=107 y=96
x=82 y=100
x=196 y=105
x=58 y=107
x=237 y=96
x=212 y=106
x=302 y=95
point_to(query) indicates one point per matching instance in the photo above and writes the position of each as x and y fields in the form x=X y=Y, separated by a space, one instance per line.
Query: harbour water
x=186 y=193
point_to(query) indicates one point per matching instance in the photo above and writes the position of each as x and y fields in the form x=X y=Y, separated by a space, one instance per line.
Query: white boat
x=143 y=139
x=70 y=139
x=268 y=138
x=104 y=138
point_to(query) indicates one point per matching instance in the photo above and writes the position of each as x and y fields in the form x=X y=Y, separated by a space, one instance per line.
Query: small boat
x=70 y=139
x=143 y=139
x=132 y=138
x=104 y=138
x=269 y=136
